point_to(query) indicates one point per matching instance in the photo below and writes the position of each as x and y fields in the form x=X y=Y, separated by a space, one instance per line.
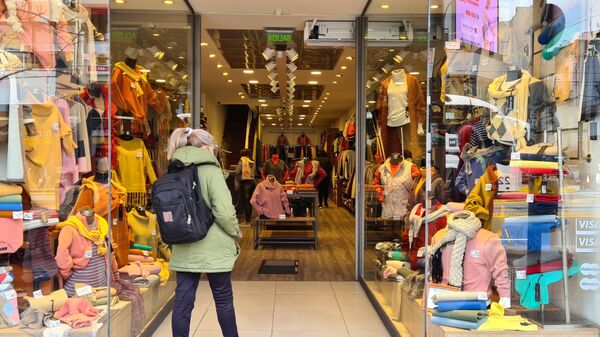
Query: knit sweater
x=269 y=199
x=481 y=198
x=485 y=261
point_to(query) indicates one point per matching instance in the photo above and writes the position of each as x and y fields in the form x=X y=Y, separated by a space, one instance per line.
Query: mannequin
x=393 y=181
x=303 y=140
x=282 y=140
x=269 y=199
x=402 y=106
x=275 y=167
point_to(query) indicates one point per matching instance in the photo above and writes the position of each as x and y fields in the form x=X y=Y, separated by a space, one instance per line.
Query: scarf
x=310 y=179
x=417 y=218
x=132 y=74
x=97 y=236
x=462 y=226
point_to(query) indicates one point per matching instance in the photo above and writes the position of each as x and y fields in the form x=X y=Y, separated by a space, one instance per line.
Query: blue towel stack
x=460 y=313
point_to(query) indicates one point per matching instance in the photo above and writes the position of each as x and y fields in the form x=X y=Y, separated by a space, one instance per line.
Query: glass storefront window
x=501 y=216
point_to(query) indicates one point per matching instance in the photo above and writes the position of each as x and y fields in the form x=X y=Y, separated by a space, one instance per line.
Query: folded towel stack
x=463 y=310
x=9 y=311
x=11 y=218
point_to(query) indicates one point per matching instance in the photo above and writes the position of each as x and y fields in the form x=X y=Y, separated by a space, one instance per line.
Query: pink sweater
x=269 y=199
x=485 y=260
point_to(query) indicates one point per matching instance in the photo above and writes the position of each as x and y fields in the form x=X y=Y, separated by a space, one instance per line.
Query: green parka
x=218 y=251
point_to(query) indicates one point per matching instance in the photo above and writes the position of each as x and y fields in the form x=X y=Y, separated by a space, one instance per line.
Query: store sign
x=279 y=37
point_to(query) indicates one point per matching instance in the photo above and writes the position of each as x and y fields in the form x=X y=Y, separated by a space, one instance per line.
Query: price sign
x=37 y=294
x=521 y=275
x=508 y=181
x=282 y=216
x=83 y=291
x=18 y=215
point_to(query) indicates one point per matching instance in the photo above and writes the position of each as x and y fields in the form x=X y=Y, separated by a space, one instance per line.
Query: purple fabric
x=129 y=292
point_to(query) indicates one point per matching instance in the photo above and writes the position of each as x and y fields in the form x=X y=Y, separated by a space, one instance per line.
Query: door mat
x=279 y=267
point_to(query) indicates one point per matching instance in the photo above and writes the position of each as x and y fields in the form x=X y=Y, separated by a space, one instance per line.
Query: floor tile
x=304 y=288
x=306 y=302
x=254 y=287
x=363 y=320
x=354 y=302
x=308 y=320
x=165 y=328
x=310 y=334
x=347 y=288
x=201 y=333
x=243 y=301
x=367 y=334
x=247 y=320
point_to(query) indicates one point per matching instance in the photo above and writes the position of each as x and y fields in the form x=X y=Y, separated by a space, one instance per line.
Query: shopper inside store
x=340 y=168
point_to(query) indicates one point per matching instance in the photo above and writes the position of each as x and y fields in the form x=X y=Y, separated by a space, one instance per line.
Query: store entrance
x=283 y=114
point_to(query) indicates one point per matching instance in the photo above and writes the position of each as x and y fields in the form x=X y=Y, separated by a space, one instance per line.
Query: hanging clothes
x=11 y=124
x=309 y=172
x=303 y=140
x=393 y=188
x=145 y=231
x=134 y=165
x=278 y=169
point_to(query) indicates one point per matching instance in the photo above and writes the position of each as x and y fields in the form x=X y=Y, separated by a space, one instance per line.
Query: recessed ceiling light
x=219 y=66
x=203 y=44
x=326 y=98
x=338 y=75
x=229 y=81
x=120 y=1
x=334 y=82
x=253 y=82
x=269 y=117
x=273 y=124
x=212 y=55
x=299 y=124
x=248 y=71
x=372 y=102
x=160 y=80
x=264 y=104
x=385 y=6
x=242 y=96
x=240 y=93
x=343 y=67
x=414 y=73
x=262 y=100
x=349 y=58
x=156 y=34
x=225 y=74
x=435 y=6
x=181 y=57
x=307 y=101
x=305 y=105
x=168 y=2
x=328 y=93
x=313 y=82
x=145 y=70
x=315 y=73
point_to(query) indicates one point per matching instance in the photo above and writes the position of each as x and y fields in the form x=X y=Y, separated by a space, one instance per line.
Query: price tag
x=28 y=216
x=87 y=254
x=475 y=253
x=282 y=216
x=37 y=294
x=485 y=62
x=515 y=156
x=153 y=232
x=474 y=68
x=132 y=84
x=289 y=192
x=421 y=252
x=508 y=180
x=139 y=155
x=530 y=198
x=55 y=127
x=397 y=217
x=449 y=115
x=488 y=187
x=53 y=323
x=115 y=222
x=18 y=215
x=482 y=296
x=11 y=295
x=452 y=45
x=87 y=290
x=145 y=252
x=521 y=275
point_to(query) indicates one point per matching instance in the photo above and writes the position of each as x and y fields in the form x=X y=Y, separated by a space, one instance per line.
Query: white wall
x=269 y=135
x=216 y=115
x=342 y=120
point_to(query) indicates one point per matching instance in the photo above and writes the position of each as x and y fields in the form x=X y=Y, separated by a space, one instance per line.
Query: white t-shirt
x=397 y=104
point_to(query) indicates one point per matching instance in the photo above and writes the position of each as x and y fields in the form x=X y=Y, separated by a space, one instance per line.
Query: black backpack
x=182 y=214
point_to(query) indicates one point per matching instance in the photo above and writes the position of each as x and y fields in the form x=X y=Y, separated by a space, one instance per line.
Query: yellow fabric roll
x=54 y=301
x=534 y=164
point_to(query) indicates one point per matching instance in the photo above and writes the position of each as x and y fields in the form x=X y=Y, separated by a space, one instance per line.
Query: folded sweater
x=10 y=207
x=463 y=315
x=461 y=296
x=461 y=305
x=456 y=323
x=11 y=199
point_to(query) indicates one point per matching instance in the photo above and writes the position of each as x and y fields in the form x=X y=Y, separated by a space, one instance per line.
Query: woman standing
x=244 y=175
x=214 y=255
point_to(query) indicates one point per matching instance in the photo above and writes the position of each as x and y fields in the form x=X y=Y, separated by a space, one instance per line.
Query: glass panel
x=52 y=148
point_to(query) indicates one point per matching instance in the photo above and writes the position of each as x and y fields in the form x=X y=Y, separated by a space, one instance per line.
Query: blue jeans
x=185 y=296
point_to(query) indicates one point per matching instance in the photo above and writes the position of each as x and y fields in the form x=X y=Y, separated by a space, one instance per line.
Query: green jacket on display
x=218 y=251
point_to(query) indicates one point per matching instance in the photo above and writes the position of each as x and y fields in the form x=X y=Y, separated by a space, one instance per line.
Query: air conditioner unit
x=390 y=33
x=329 y=33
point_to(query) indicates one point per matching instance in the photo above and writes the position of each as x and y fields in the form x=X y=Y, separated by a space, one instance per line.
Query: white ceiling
x=269 y=7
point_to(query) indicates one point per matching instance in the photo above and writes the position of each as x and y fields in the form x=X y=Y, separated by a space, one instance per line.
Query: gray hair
x=188 y=137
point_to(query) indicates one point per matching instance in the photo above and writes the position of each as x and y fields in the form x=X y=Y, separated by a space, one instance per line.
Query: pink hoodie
x=485 y=260
x=269 y=199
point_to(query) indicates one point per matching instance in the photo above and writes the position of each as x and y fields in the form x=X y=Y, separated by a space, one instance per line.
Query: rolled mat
x=456 y=323
x=461 y=296
x=404 y=272
x=461 y=305
x=463 y=315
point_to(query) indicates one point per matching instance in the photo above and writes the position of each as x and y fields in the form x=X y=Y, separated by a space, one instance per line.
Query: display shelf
x=291 y=230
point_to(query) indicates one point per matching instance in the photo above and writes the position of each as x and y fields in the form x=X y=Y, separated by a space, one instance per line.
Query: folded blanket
x=6 y=278
x=461 y=296
x=539 y=171
x=77 y=313
x=461 y=305
x=533 y=258
x=455 y=323
x=10 y=189
x=531 y=219
x=546 y=198
x=136 y=251
x=53 y=301
x=6 y=214
x=11 y=199
x=142 y=247
x=35 y=318
x=534 y=164
x=463 y=315
x=10 y=207
x=512 y=195
x=549 y=266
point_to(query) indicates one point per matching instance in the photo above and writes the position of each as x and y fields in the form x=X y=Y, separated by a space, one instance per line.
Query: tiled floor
x=289 y=309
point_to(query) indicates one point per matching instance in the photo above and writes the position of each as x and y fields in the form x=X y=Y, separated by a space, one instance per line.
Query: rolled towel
x=142 y=247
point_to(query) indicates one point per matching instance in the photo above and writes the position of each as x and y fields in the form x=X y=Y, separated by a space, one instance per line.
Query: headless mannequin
x=395 y=161
x=131 y=63
x=399 y=76
x=513 y=74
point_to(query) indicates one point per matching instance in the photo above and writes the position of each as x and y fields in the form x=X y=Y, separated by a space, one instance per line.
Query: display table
x=291 y=230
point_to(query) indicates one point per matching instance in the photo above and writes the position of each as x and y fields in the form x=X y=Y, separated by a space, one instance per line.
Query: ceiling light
x=338 y=75
x=434 y=6
x=343 y=67
x=253 y=82
x=320 y=105
x=274 y=83
x=291 y=76
x=315 y=73
x=414 y=73
x=349 y=58
x=156 y=34
x=145 y=70
x=292 y=54
x=262 y=100
x=291 y=83
x=292 y=90
x=181 y=57
x=271 y=65
x=264 y=104
x=328 y=93
x=307 y=101
x=385 y=6
x=242 y=96
x=268 y=53
x=290 y=95
x=168 y=2
x=248 y=71
x=269 y=117
x=275 y=89
x=212 y=55
x=240 y=93
x=313 y=82
x=299 y=124
x=305 y=105
x=292 y=67
x=203 y=44
x=398 y=58
x=120 y=1
x=156 y=52
x=273 y=124
x=326 y=98
x=219 y=66
x=225 y=74
x=335 y=82
x=372 y=102
x=160 y=80
x=229 y=81
x=272 y=76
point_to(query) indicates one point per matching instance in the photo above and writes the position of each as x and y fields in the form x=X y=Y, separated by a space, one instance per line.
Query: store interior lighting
x=271 y=65
x=272 y=76
x=269 y=53
x=291 y=76
x=292 y=67
x=275 y=89
x=274 y=83
x=292 y=54
x=291 y=83
x=156 y=52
